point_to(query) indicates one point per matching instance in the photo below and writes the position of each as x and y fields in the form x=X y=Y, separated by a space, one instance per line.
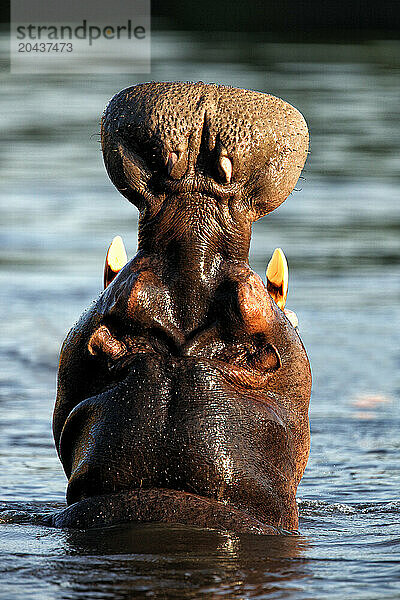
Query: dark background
x=323 y=17
x=288 y=16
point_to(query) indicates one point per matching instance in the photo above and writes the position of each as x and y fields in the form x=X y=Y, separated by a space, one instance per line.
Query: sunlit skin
x=183 y=391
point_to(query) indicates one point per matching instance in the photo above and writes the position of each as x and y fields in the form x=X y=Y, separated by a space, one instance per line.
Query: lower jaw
x=160 y=506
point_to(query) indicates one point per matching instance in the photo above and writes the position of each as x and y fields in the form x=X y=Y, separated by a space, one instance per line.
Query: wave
x=37 y=513
x=320 y=507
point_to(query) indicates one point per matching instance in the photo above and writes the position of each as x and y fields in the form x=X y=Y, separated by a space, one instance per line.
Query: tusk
x=172 y=160
x=278 y=277
x=225 y=168
x=116 y=259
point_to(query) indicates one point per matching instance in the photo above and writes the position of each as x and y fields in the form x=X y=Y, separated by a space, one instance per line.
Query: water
x=341 y=236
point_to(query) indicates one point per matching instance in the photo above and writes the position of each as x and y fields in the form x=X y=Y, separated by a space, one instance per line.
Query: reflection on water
x=143 y=561
x=340 y=232
x=211 y=562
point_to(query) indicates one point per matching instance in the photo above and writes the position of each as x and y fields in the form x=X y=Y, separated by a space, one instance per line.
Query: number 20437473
x=45 y=47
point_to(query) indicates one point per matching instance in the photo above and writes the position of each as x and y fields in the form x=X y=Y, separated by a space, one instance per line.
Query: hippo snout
x=183 y=391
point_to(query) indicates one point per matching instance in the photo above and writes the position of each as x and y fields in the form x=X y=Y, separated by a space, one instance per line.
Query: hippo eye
x=259 y=357
x=118 y=367
x=265 y=359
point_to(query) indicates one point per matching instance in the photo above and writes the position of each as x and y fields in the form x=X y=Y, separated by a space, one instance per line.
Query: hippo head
x=183 y=390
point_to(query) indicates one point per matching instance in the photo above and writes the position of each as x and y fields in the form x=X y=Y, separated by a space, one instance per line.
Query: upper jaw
x=231 y=141
x=245 y=348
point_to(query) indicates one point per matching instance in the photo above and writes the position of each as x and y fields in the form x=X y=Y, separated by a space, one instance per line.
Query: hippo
x=183 y=391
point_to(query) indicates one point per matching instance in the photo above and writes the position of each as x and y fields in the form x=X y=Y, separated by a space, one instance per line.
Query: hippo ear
x=116 y=258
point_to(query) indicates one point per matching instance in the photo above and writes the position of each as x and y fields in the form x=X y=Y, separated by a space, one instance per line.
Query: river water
x=340 y=232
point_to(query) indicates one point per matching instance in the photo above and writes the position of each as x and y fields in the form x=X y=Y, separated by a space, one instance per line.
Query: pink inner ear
x=255 y=304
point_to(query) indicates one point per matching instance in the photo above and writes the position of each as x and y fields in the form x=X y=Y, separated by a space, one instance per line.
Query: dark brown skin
x=183 y=391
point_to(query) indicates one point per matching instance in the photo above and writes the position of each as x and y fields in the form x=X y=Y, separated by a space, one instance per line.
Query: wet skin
x=183 y=391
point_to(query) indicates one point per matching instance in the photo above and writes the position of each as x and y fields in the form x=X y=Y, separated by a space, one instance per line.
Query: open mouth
x=250 y=364
x=161 y=506
x=277 y=274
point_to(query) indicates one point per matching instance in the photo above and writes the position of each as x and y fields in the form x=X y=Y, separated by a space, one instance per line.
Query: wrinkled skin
x=183 y=391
